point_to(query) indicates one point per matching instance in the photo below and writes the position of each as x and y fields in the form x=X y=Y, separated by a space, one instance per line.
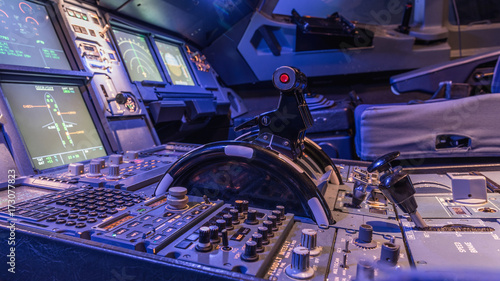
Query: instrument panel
x=375 y=240
x=88 y=95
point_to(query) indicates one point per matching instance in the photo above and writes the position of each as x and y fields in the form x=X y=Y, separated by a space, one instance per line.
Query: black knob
x=365 y=270
x=399 y=189
x=229 y=221
x=269 y=225
x=258 y=239
x=234 y=215
x=262 y=230
x=383 y=163
x=252 y=217
x=274 y=220
x=120 y=98
x=250 y=252
x=299 y=267
x=282 y=212
x=214 y=234
x=238 y=205
x=365 y=234
x=221 y=224
x=225 y=241
x=278 y=215
x=244 y=206
x=204 y=244
x=389 y=254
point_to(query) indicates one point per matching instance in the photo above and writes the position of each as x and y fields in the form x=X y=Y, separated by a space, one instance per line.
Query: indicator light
x=284 y=78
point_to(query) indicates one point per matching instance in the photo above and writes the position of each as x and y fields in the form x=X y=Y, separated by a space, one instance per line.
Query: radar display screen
x=174 y=62
x=137 y=57
x=54 y=122
x=28 y=38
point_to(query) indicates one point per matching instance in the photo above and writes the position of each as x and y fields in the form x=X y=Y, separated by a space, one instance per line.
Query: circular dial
x=137 y=57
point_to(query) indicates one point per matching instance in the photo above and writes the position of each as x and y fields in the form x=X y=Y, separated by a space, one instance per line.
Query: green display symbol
x=58 y=121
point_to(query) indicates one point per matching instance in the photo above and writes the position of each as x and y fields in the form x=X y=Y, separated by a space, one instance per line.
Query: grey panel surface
x=448 y=251
x=443 y=206
x=128 y=131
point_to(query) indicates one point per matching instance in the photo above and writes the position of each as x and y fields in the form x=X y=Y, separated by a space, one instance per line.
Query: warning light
x=284 y=78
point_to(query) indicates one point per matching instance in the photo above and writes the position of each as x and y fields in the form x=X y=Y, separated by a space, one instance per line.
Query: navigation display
x=175 y=63
x=28 y=38
x=137 y=57
x=54 y=123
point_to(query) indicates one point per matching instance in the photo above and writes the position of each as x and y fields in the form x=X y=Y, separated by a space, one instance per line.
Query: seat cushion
x=416 y=130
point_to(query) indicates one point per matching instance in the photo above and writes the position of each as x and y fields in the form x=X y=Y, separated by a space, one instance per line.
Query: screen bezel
x=151 y=49
x=15 y=140
x=61 y=36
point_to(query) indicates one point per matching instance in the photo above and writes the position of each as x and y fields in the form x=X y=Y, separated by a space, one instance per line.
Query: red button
x=284 y=78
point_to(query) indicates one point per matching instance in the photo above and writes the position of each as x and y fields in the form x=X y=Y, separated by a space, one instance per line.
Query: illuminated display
x=54 y=123
x=23 y=193
x=157 y=202
x=137 y=57
x=174 y=62
x=114 y=223
x=28 y=38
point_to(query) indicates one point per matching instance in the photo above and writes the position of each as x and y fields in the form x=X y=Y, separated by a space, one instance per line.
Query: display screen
x=54 y=122
x=22 y=193
x=174 y=62
x=137 y=57
x=28 y=38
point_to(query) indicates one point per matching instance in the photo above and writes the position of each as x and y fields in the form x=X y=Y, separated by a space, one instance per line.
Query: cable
x=457 y=18
x=430 y=183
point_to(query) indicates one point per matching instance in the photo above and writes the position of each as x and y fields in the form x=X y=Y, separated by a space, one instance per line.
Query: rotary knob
x=130 y=155
x=364 y=239
x=278 y=215
x=281 y=209
x=269 y=225
x=94 y=170
x=365 y=270
x=262 y=230
x=75 y=169
x=251 y=217
x=389 y=254
x=101 y=162
x=299 y=267
x=229 y=221
x=204 y=244
x=234 y=215
x=309 y=239
x=221 y=224
x=115 y=159
x=177 y=198
x=274 y=220
x=258 y=239
x=214 y=234
x=113 y=172
x=250 y=252
x=238 y=205
x=244 y=206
